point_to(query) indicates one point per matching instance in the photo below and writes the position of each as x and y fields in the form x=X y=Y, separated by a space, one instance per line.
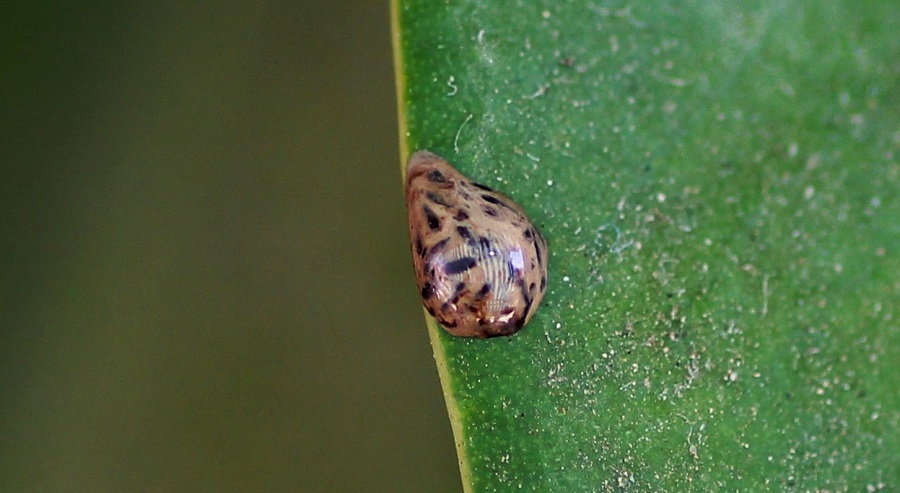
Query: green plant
x=718 y=186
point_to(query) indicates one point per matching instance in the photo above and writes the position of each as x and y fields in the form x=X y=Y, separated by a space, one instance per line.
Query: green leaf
x=718 y=185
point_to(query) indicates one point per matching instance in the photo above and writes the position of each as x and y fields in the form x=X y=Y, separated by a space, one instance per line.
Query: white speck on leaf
x=808 y=192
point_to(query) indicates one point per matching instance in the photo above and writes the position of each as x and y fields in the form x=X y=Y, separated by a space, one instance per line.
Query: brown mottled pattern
x=480 y=263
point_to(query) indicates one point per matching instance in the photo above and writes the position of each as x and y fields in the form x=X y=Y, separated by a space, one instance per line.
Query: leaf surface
x=719 y=189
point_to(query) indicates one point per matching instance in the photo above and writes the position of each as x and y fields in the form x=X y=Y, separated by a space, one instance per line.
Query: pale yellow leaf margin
x=440 y=356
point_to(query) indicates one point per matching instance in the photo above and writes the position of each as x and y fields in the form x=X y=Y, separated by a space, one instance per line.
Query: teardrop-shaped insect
x=481 y=265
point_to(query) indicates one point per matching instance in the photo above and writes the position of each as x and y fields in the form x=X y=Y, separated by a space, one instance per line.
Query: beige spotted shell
x=481 y=265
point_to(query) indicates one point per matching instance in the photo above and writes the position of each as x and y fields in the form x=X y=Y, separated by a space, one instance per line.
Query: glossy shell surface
x=480 y=263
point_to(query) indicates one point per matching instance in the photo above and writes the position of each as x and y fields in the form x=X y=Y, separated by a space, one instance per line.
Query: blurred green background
x=205 y=277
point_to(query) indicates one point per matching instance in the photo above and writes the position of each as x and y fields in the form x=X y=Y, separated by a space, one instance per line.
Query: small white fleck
x=660 y=197
x=549 y=183
x=731 y=376
x=545 y=14
x=565 y=278
x=793 y=149
x=809 y=192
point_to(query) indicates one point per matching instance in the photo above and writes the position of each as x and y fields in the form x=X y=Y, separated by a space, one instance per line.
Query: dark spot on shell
x=433 y=222
x=427 y=290
x=525 y=297
x=521 y=320
x=490 y=211
x=460 y=287
x=543 y=283
x=464 y=232
x=497 y=201
x=459 y=265
x=528 y=234
x=440 y=245
x=420 y=249
x=435 y=176
x=485 y=243
x=461 y=215
x=437 y=198
x=483 y=291
x=537 y=252
x=511 y=270
x=531 y=287
x=507 y=310
x=482 y=187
